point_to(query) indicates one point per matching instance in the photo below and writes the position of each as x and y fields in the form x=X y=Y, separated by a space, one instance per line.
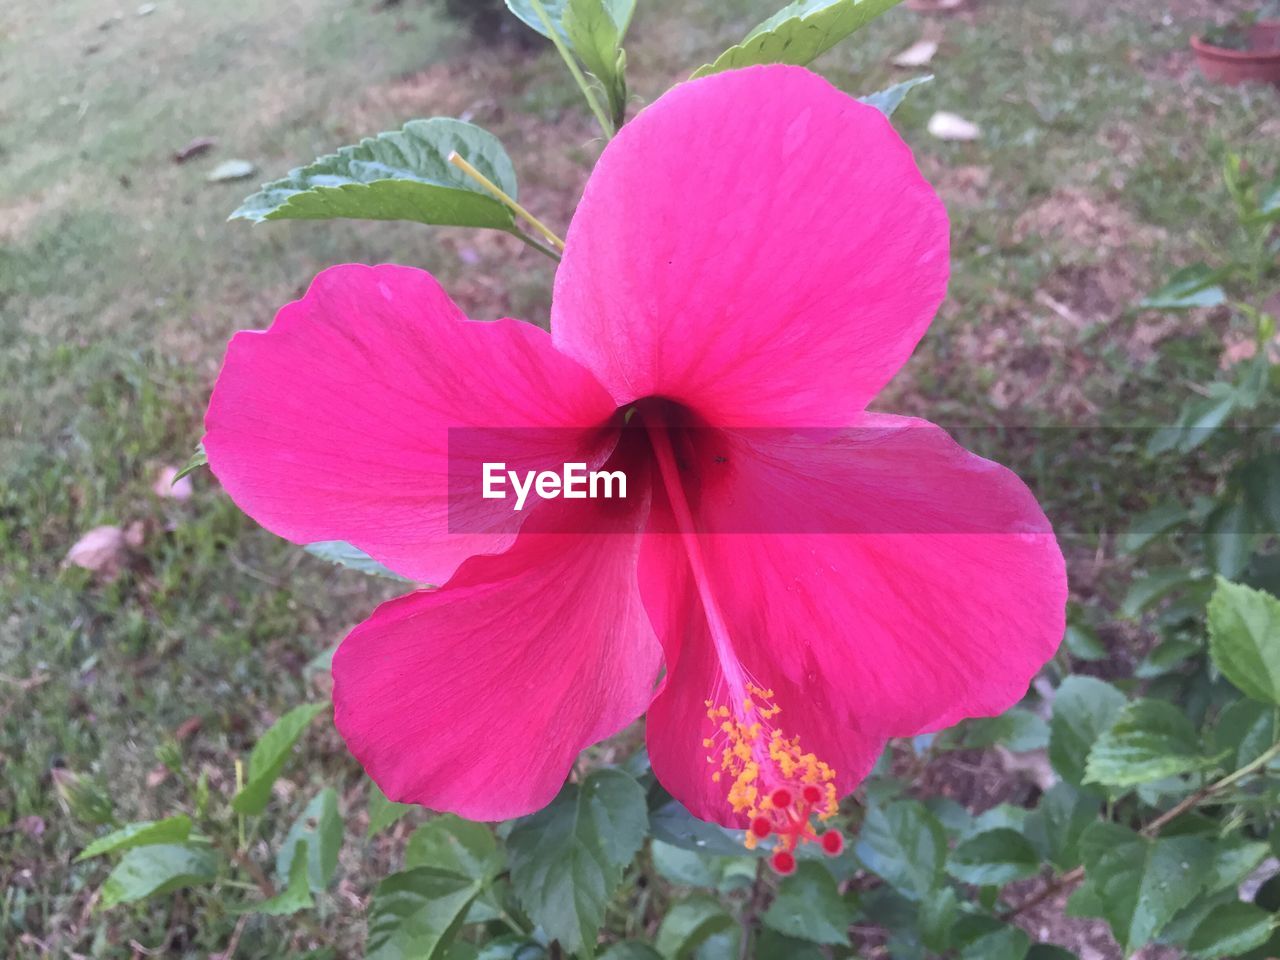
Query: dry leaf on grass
x=917 y=55
x=952 y=126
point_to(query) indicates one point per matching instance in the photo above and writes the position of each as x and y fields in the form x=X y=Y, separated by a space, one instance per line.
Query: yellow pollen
x=758 y=760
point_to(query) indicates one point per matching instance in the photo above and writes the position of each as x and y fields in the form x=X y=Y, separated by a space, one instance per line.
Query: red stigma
x=761 y=827
x=781 y=798
x=832 y=843
x=784 y=862
x=812 y=794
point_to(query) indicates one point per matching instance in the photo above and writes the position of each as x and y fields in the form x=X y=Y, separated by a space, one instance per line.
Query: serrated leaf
x=808 y=906
x=993 y=858
x=798 y=33
x=269 y=756
x=459 y=846
x=1150 y=740
x=345 y=555
x=687 y=925
x=156 y=869
x=416 y=914
x=567 y=859
x=297 y=892
x=1245 y=730
x=906 y=845
x=1139 y=884
x=1058 y=822
x=890 y=99
x=1082 y=709
x=672 y=823
x=1231 y=931
x=1234 y=858
x=1193 y=286
x=170 y=830
x=317 y=834
x=400 y=175
x=1244 y=639
x=383 y=812
x=938 y=915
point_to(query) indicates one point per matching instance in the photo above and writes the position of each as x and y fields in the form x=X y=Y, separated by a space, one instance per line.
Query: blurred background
x=137 y=616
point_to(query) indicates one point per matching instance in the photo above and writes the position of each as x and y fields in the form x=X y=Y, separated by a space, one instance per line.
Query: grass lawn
x=120 y=282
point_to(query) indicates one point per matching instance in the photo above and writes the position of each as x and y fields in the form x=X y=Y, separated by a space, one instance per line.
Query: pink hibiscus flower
x=754 y=250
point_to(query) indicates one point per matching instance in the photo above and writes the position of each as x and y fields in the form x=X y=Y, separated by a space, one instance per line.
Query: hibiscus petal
x=756 y=245
x=476 y=698
x=882 y=580
x=335 y=423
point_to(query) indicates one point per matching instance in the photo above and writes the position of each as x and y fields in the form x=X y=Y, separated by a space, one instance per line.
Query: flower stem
x=506 y=200
x=553 y=34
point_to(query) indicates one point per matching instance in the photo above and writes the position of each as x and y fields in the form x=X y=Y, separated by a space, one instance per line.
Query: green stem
x=583 y=84
x=529 y=241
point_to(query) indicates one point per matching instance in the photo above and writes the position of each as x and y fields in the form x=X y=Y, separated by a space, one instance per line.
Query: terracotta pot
x=1259 y=64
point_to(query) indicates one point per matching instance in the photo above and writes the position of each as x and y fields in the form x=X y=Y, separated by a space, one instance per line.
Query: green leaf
x=1056 y=825
x=198 y=459
x=383 y=812
x=1139 y=884
x=345 y=555
x=1082 y=709
x=1229 y=539
x=297 y=892
x=567 y=859
x=156 y=869
x=1245 y=731
x=798 y=33
x=1019 y=730
x=459 y=846
x=595 y=29
x=938 y=915
x=684 y=867
x=1150 y=740
x=1049 y=951
x=890 y=99
x=1234 y=858
x=1148 y=590
x=1083 y=643
x=554 y=9
x=400 y=175
x=631 y=950
x=1231 y=931
x=1244 y=639
x=318 y=829
x=906 y=845
x=672 y=823
x=1004 y=943
x=809 y=906
x=1151 y=525
x=171 y=830
x=994 y=858
x=416 y=914
x=270 y=755
x=1193 y=286
x=688 y=923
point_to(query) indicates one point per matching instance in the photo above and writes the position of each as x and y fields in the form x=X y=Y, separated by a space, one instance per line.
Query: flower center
x=769 y=780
